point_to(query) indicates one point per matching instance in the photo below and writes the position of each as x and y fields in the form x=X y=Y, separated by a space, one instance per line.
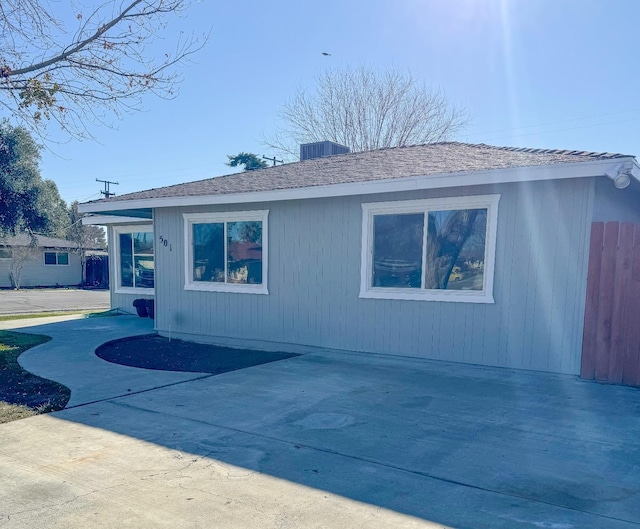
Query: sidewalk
x=25 y=323
x=69 y=358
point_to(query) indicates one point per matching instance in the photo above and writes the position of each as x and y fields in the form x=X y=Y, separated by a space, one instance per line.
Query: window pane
x=143 y=243
x=126 y=260
x=144 y=271
x=5 y=253
x=455 y=249
x=49 y=258
x=397 y=250
x=244 y=249
x=208 y=252
x=63 y=258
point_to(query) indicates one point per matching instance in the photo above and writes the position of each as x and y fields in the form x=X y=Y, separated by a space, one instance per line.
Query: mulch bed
x=157 y=352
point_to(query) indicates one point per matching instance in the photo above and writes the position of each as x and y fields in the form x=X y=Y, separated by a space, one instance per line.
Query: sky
x=531 y=73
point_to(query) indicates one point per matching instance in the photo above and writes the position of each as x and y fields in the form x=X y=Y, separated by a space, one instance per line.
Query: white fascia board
x=105 y=220
x=635 y=170
x=370 y=187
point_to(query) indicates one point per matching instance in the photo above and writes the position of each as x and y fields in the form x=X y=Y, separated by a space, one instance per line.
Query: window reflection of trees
x=137 y=267
x=244 y=249
x=455 y=249
x=244 y=252
x=454 y=254
x=397 y=250
x=208 y=252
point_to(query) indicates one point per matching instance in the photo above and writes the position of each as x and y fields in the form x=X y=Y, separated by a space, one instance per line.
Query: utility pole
x=106 y=191
x=272 y=159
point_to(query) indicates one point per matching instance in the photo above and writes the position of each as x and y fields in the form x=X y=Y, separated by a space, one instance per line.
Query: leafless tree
x=52 y=71
x=19 y=256
x=365 y=110
x=444 y=244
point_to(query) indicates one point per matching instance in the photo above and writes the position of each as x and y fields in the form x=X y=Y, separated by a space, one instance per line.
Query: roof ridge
x=534 y=150
x=531 y=150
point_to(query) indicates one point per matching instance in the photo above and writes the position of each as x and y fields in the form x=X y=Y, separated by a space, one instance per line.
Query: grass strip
x=23 y=394
x=87 y=313
x=32 y=315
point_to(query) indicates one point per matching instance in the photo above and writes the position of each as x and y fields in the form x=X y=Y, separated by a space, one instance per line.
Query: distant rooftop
x=24 y=239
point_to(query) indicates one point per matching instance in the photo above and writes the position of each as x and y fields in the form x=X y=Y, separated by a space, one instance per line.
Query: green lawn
x=23 y=394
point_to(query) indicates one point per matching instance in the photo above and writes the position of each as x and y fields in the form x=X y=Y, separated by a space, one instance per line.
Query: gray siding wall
x=124 y=302
x=314 y=279
x=37 y=274
x=616 y=204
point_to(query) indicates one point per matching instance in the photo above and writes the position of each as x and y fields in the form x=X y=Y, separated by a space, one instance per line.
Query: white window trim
x=117 y=230
x=369 y=210
x=230 y=216
x=44 y=259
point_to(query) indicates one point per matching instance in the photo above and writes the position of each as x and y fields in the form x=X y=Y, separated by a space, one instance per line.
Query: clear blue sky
x=535 y=73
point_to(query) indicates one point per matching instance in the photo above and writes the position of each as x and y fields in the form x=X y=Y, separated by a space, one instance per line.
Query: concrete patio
x=321 y=440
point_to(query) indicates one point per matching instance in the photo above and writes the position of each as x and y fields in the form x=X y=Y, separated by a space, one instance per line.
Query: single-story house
x=448 y=251
x=39 y=261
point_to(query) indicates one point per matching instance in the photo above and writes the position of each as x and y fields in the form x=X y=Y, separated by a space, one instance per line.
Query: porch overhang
x=124 y=216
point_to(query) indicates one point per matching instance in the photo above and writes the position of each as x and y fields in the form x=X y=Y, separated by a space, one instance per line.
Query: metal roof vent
x=321 y=149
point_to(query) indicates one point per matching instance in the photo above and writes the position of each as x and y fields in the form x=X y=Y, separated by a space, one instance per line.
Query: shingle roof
x=23 y=239
x=382 y=164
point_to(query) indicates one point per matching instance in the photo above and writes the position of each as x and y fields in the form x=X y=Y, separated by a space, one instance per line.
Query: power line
x=87 y=198
x=563 y=130
x=560 y=122
x=193 y=168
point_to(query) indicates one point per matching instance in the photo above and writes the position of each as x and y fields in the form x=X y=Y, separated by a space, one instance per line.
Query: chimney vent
x=321 y=149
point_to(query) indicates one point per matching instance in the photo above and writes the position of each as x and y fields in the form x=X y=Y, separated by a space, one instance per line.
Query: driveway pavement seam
x=130 y=394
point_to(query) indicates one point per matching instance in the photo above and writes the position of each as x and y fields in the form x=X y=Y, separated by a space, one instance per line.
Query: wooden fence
x=611 y=340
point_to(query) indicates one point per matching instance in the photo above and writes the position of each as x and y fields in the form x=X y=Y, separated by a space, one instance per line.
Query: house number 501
x=164 y=242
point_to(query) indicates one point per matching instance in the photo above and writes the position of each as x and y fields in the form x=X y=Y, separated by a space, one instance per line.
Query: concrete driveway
x=27 y=301
x=321 y=440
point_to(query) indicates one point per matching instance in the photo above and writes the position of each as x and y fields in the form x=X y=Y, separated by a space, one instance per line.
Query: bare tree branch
x=365 y=110
x=76 y=78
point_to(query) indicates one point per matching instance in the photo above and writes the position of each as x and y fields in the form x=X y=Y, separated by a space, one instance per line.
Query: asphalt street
x=28 y=301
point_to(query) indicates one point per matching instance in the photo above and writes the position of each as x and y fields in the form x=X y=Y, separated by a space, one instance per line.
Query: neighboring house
x=449 y=251
x=43 y=262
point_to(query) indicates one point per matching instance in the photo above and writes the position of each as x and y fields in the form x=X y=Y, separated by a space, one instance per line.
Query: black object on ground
x=141 y=307
x=156 y=352
x=150 y=305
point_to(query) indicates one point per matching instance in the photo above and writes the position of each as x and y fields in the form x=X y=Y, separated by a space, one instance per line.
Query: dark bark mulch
x=157 y=352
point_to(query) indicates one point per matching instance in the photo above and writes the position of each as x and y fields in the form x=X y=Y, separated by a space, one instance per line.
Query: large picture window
x=135 y=266
x=434 y=249
x=226 y=251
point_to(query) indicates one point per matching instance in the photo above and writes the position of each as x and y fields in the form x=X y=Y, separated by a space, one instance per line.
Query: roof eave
x=436 y=181
x=105 y=219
